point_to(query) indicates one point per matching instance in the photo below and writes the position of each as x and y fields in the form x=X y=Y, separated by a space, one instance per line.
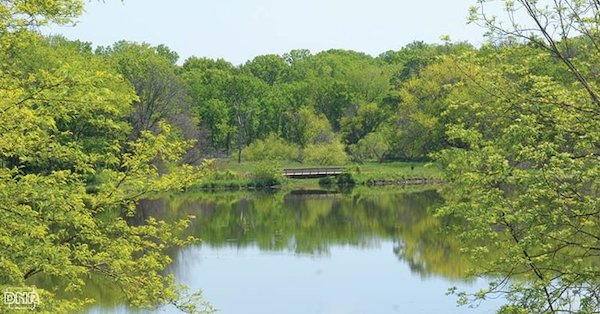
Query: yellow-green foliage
x=525 y=167
x=271 y=148
x=325 y=154
x=266 y=174
x=374 y=146
x=307 y=127
x=63 y=114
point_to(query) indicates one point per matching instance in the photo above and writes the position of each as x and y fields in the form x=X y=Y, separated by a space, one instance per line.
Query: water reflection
x=324 y=249
x=310 y=222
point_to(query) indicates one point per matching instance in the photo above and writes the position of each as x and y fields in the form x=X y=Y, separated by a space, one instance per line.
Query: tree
x=305 y=127
x=268 y=68
x=550 y=28
x=63 y=115
x=332 y=98
x=418 y=126
x=279 y=100
x=296 y=55
x=367 y=119
x=243 y=96
x=338 y=80
x=526 y=173
x=408 y=62
x=162 y=95
x=373 y=146
x=207 y=82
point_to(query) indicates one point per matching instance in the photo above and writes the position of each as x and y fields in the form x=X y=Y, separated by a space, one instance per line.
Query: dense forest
x=515 y=123
x=329 y=107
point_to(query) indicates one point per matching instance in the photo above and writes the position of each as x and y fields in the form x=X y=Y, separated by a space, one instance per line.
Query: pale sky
x=239 y=30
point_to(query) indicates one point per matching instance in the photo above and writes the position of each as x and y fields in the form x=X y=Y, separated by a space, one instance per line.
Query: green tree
x=268 y=68
x=151 y=70
x=408 y=62
x=526 y=172
x=63 y=117
x=243 y=95
x=367 y=119
x=418 y=126
x=207 y=82
x=374 y=146
x=337 y=79
x=305 y=127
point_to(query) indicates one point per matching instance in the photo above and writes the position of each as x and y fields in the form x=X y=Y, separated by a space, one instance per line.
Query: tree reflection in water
x=309 y=223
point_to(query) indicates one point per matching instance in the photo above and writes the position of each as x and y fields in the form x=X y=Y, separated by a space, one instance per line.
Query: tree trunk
x=239 y=140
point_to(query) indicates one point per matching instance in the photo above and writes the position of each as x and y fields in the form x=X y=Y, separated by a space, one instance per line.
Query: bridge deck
x=301 y=173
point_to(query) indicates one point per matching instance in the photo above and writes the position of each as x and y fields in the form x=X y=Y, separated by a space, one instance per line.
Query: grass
x=394 y=171
x=228 y=174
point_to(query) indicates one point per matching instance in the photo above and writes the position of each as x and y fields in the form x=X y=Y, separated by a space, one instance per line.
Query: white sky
x=238 y=30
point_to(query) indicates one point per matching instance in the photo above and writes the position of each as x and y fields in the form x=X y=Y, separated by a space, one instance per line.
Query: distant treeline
x=329 y=107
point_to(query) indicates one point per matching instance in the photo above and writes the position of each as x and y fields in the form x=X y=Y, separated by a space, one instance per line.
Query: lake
x=313 y=251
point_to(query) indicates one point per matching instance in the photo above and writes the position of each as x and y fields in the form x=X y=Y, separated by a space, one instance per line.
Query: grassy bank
x=228 y=174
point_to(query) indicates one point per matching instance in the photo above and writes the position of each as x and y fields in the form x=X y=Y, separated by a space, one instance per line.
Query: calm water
x=362 y=251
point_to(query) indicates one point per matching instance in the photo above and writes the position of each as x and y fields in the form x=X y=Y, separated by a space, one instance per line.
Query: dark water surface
x=315 y=251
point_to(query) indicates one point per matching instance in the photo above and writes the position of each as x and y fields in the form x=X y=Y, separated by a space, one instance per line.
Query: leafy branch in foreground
x=525 y=166
x=69 y=177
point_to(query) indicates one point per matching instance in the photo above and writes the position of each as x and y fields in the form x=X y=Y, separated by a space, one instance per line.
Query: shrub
x=326 y=181
x=266 y=174
x=325 y=154
x=346 y=179
x=271 y=148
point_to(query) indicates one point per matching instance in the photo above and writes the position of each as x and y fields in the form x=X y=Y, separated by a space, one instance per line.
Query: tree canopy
x=70 y=175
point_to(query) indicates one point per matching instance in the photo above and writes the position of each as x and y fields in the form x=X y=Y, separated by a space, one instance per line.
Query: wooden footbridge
x=306 y=173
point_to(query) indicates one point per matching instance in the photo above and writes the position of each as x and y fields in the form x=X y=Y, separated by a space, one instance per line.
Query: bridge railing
x=313 y=171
